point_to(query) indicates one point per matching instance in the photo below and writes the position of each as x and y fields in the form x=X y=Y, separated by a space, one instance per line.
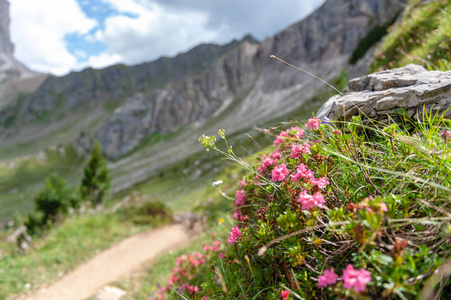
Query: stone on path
x=110 y=293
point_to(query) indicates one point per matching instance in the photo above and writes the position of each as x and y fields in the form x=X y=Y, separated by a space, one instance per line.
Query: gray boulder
x=378 y=96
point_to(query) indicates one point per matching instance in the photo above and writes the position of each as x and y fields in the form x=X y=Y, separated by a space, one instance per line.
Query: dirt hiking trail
x=114 y=264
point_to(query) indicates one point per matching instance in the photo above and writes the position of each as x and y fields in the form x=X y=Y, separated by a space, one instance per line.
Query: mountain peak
x=5 y=42
x=10 y=68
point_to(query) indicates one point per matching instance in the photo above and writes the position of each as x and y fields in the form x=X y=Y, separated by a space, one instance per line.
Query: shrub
x=51 y=203
x=151 y=213
x=54 y=199
x=334 y=211
x=96 y=180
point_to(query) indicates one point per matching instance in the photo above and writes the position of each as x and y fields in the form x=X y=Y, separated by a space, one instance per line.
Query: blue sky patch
x=77 y=44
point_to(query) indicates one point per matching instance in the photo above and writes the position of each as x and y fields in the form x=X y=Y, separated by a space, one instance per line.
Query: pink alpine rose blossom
x=311 y=201
x=355 y=279
x=329 y=277
x=237 y=214
x=235 y=234
x=267 y=162
x=284 y=294
x=281 y=138
x=243 y=183
x=193 y=289
x=276 y=155
x=299 y=133
x=313 y=123
x=298 y=149
x=321 y=183
x=302 y=172
x=280 y=173
x=240 y=197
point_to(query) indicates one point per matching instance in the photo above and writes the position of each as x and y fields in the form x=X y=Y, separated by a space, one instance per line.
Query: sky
x=60 y=36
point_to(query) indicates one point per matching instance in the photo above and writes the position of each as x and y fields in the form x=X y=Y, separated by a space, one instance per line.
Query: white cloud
x=125 y=6
x=103 y=60
x=38 y=29
x=156 y=28
x=152 y=32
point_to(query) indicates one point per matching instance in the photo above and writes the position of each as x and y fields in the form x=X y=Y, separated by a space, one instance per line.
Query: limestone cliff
x=11 y=70
x=5 y=42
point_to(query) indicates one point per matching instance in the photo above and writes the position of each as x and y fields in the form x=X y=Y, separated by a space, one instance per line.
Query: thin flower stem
x=302 y=70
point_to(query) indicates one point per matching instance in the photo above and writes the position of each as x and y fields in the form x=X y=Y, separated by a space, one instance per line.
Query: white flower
x=217 y=183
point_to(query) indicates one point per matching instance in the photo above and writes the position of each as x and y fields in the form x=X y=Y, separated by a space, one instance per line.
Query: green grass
x=68 y=244
x=20 y=183
x=423 y=37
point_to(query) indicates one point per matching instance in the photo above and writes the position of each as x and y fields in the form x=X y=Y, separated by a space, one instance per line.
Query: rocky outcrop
x=379 y=96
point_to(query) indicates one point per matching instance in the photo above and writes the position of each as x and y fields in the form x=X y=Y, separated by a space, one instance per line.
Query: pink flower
x=298 y=132
x=384 y=207
x=337 y=132
x=280 y=173
x=298 y=149
x=302 y=172
x=313 y=123
x=284 y=294
x=355 y=279
x=321 y=183
x=267 y=162
x=193 y=289
x=236 y=214
x=235 y=234
x=329 y=277
x=222 y=255
x=276 y=155
x=240 y=197
x=281 y=138
x=308 y=201
x=243 y=183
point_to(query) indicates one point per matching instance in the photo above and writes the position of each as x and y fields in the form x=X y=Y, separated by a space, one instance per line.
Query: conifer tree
x=96 y=180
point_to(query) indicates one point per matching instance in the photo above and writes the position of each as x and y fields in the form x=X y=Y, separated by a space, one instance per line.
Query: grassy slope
x=423 y=36
x=21 y=179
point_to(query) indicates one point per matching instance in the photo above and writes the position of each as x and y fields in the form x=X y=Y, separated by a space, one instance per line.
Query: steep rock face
x=179 y=103
x=379 y=95
x=322 y=43
x=11 y=70
x=5 y=42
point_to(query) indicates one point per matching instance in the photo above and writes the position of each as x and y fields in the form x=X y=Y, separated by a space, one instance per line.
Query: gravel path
x=113 y=264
